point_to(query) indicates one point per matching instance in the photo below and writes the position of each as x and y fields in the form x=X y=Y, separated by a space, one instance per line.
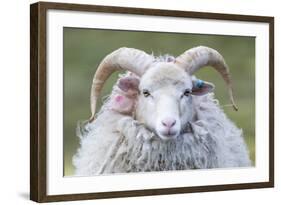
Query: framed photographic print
x=134 y=102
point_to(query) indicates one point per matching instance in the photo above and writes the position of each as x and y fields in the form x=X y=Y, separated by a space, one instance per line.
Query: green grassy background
x=83 y=50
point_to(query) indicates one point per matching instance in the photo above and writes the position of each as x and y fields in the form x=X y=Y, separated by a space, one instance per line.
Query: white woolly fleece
x=213 y=142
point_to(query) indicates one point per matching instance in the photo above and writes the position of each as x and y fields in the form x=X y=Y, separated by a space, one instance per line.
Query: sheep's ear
x=202 y=87
x=128 y=83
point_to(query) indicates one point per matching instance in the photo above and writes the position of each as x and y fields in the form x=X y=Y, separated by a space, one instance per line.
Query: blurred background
x=84 y=49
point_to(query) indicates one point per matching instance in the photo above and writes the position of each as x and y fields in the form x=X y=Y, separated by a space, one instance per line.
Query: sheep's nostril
x=168 y=122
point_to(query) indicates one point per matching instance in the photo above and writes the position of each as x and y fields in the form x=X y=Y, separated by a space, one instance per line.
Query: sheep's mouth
x=172 y=134
x=169 y=135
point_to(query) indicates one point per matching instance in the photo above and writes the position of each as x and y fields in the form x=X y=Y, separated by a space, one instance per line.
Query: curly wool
x=212 y=142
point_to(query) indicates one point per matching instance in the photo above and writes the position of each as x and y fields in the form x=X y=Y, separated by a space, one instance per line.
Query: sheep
x=159 y=117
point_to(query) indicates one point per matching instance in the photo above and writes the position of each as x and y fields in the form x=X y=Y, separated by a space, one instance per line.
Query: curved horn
x=129 y=59
x=194 y=59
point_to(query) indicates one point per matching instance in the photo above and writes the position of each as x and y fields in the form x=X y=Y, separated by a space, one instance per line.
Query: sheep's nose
x=168 y=122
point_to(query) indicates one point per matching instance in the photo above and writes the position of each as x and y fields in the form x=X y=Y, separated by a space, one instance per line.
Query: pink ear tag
x=119 y=98
x=122 y=104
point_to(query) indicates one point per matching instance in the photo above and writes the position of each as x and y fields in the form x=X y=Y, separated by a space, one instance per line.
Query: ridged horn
x=194 y=59
x=129 y=59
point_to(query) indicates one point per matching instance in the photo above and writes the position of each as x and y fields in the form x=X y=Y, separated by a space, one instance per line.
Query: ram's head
x=163 y=90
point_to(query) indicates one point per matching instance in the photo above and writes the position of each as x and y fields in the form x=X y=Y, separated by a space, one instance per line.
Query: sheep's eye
x=145 y=93
x=187 y=92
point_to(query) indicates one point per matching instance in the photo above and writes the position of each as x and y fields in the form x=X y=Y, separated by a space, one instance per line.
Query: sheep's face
x=165 y=101
x=165 y=104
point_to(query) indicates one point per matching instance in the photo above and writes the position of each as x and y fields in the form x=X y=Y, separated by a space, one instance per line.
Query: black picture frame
x=38 y=100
